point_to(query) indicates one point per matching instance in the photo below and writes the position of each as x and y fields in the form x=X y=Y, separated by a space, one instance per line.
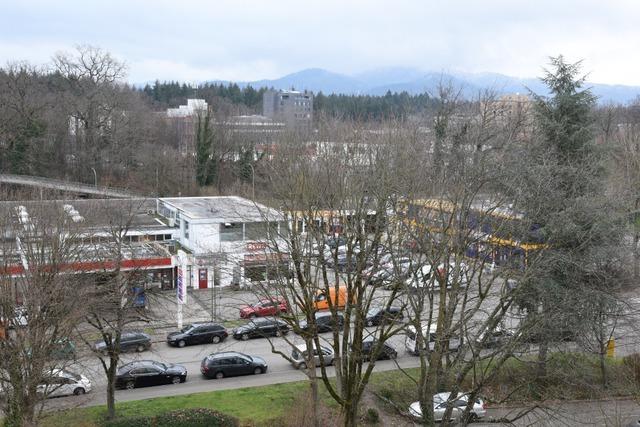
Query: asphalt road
x=280 y=371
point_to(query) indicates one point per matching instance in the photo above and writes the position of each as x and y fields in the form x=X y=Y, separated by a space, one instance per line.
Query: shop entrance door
x=202 y=278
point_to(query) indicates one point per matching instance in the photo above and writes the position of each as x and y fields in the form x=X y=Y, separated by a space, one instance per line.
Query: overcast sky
x=190 y=40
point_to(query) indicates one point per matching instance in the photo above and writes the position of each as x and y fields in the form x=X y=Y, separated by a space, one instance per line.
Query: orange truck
x=337 y=297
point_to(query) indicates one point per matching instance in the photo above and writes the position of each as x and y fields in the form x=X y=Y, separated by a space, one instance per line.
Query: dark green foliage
x=372 y=416
x=195 y=417
x=562 y=192
x=174 y=93
x=206 y=161
x=366 y=107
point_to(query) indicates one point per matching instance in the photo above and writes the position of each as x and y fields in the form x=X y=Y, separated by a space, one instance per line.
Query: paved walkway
x=73 y=187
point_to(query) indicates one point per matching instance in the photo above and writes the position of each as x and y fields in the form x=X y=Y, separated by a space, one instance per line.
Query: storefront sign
x=256 y=246
x=181 y=288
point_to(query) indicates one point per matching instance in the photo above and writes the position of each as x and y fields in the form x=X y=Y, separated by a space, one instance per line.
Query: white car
x=300 y=356
x=423 y=276
x=58 y=382
x=479 y=409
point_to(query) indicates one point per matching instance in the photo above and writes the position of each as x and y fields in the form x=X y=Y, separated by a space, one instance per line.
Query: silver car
x=478 y=410
x=300 y=356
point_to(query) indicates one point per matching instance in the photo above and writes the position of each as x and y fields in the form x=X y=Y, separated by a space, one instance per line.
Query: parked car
x=64 y=349
x=338 y=299
x=264 y=307
x=325 y=322
x=479 y=409
x=430 y=335
x=300 y=356
x=143 y=373
x=344 y=263
x=449 y=271
x=386 y=350
x=381 y=315
x=422 y=277
x=198 y=333
x=260 y=328
x=129 y=341
x=494 y=339
x=59 y=382
x=231 y=364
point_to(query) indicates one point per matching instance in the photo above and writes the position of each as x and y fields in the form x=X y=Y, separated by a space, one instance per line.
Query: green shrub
x=372 y=416
x=195 y=417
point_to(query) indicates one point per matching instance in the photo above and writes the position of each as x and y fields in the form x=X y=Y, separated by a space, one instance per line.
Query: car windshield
x=373 y=312
x=71 y=375
x=186 y=328
x=160 y=365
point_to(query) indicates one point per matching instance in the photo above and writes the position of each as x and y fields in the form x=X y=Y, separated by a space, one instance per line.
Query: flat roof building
x=292 y=107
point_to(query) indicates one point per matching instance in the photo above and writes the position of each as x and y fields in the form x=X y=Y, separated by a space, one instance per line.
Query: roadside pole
x=181 y=290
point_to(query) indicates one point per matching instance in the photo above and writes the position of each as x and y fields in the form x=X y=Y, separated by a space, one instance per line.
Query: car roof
x=303 y=347
x=226 y=354
x=444 y=396
x=204 y=324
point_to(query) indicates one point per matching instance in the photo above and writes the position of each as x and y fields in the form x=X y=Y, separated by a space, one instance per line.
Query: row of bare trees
x=534 y=175
x=47 y=303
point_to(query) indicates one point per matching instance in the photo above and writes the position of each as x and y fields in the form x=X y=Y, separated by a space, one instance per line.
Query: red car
x=264 y=307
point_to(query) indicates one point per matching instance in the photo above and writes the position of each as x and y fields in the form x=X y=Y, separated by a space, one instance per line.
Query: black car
x=260 y=328
x=325 y=322
x=386 y=351
x=230 y=364
x=198 y=333
x=129 y=341
x=380 y=316
x=143 y=373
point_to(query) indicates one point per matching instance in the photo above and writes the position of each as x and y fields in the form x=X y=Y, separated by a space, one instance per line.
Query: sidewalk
x=200 y=306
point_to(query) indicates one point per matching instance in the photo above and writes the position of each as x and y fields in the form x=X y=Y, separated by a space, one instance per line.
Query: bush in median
x=194 y=417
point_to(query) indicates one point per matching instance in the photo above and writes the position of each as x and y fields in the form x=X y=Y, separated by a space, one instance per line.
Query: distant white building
x=193 y=107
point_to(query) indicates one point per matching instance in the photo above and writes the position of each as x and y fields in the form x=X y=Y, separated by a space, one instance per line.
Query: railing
x=57 y=184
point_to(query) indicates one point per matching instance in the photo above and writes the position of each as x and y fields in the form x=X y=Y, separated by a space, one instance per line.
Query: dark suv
x=385 y=351
x=324 y=322
x=129 y=341
x=261 y=327
x=230 y=364
x=198 y=333
x=380 y=316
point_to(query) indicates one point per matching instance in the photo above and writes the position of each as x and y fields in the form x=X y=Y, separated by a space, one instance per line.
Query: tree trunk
x=111 y=388
x=350 y=409
x=541 y=365
x=315 y=401
x=636 y=255
x=603 y=365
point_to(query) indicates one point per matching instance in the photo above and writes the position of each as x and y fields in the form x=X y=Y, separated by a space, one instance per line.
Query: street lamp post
x=95 y=177
x=253 y=182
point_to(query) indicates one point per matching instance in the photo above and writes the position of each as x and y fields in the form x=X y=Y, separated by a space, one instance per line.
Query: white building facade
x=229 y=239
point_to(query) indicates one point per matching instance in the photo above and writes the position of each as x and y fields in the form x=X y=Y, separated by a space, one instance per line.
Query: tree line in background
x=398 y=106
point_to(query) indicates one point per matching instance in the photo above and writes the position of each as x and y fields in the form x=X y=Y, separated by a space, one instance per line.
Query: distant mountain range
x=414 y=81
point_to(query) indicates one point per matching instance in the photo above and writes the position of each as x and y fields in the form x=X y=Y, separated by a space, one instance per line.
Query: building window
x=231 y=232
x=186 y=229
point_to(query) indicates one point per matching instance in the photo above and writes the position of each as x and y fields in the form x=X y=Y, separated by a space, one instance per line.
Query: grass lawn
x=252 y=406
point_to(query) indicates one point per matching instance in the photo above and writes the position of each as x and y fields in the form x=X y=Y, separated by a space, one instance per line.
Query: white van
x=429 y=334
